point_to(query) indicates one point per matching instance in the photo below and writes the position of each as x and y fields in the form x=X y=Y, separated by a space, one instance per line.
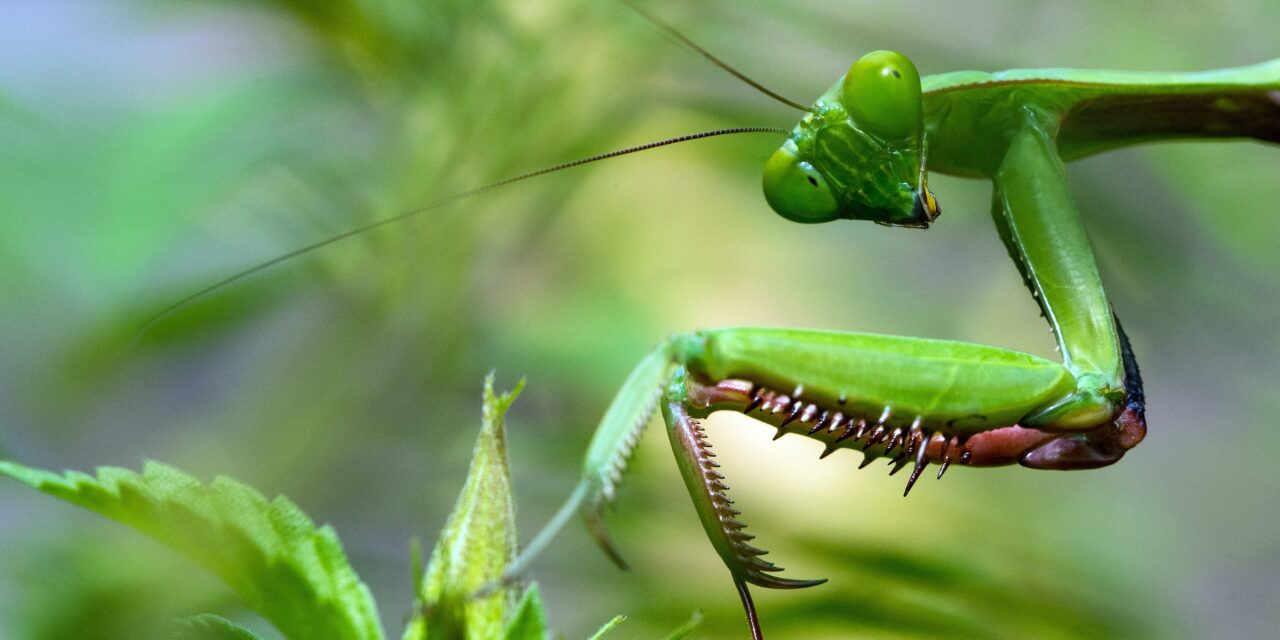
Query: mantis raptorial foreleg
x=914 y=401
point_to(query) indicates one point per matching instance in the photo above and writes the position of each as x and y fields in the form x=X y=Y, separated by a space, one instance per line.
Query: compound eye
x=882 y=93
x=797 y=191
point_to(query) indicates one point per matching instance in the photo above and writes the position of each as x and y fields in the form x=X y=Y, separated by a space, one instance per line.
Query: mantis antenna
x=447 y=200
x=652 y=19
x=684 y=40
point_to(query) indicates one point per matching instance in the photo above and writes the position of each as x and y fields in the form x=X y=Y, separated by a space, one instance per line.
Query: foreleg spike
x=946 y=463
x=922 y=461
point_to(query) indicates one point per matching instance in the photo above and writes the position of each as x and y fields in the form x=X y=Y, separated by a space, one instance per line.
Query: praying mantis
x=863 y=150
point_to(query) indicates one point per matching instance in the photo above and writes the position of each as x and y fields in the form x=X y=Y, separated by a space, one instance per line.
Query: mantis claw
x=749 y=607
x=771 y=582
x=593 y=516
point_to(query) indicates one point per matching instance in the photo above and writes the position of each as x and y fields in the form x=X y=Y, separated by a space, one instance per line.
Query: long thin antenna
x=163 y=313
x=684 y=40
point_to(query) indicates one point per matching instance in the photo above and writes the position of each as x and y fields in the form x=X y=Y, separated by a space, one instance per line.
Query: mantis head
x=859 y=154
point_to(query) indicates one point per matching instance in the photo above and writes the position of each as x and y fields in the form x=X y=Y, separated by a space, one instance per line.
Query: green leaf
x=608 y=626
x=530 y=620
x=478 y=542
x=207 y=626
x=415 y=565
x=270 y=553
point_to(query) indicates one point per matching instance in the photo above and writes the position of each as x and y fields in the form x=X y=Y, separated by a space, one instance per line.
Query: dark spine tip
x=911 y=481
x=849 y=430
x=822 y=421
x=876 y=436
x=921 y=462
x=796 y=407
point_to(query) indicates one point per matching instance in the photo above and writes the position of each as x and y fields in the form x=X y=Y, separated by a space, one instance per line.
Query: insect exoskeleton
x=849 y=390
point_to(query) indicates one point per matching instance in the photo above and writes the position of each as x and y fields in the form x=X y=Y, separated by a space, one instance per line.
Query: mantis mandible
x=863 y=151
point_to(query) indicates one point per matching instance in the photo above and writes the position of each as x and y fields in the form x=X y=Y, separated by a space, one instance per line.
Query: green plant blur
x=148 y=149
x=297 y=577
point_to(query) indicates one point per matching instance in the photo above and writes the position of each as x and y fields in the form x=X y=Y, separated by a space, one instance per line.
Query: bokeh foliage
x=149 y=148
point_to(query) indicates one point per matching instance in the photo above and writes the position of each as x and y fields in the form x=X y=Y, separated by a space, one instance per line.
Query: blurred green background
x=150 y=148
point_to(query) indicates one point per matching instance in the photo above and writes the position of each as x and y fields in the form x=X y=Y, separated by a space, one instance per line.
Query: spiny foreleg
x=907 y=400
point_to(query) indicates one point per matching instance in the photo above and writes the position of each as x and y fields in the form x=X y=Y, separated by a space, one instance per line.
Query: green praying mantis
x=863 y=151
